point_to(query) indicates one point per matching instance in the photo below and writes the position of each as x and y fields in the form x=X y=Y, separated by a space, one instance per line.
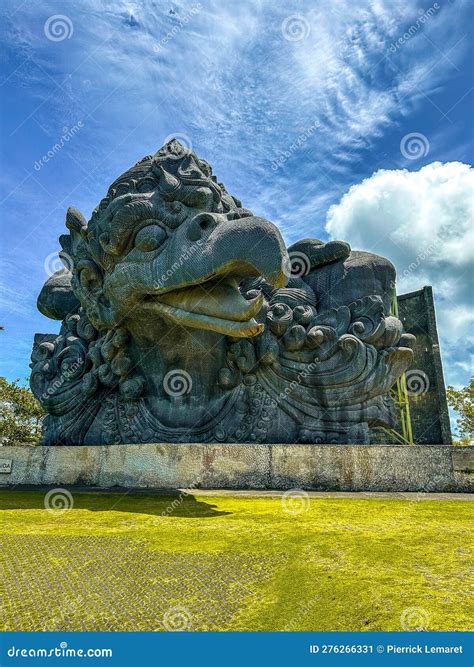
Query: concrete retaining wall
x=433 y=468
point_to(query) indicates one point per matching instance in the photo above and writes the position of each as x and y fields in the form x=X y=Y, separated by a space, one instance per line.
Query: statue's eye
x=149 y=238
x=122 y=189
x=146 y=185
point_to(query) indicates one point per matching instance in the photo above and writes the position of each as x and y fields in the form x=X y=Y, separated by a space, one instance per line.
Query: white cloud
x=423 y=222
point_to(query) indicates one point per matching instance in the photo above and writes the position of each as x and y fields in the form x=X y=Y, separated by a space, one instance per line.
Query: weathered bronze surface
x=185 y=319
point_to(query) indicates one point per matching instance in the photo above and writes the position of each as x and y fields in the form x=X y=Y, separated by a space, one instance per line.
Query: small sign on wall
x=5 y=465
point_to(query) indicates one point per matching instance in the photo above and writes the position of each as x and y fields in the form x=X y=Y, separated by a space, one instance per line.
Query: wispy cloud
x=243 y=81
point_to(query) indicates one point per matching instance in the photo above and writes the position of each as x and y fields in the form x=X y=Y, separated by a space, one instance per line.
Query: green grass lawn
x=150 y=562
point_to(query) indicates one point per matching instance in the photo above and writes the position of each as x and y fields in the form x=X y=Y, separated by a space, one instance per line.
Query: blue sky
x=306 y=110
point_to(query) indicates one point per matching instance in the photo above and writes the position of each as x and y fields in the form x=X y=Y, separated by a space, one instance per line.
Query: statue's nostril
x=200 y=225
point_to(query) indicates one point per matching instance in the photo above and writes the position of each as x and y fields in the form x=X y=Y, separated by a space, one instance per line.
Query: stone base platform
x=425 y=468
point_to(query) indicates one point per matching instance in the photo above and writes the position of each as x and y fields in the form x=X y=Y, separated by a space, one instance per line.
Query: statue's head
x=167 y=244
x=172 y=275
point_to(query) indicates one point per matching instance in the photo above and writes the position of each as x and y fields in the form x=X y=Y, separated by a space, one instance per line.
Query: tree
x=462 y=401
x=20 y=414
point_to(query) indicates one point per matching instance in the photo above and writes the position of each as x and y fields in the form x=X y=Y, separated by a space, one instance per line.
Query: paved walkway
x=258 y=493
x=338 y=494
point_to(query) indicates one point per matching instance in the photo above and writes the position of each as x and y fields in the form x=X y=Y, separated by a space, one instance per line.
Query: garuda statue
x=186 y=319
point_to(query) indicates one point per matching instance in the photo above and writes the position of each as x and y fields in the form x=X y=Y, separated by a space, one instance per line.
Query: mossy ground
x=151 y=562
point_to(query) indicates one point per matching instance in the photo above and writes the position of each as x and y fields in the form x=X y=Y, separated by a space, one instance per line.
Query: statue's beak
x=194 y=282
x=245 y=247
